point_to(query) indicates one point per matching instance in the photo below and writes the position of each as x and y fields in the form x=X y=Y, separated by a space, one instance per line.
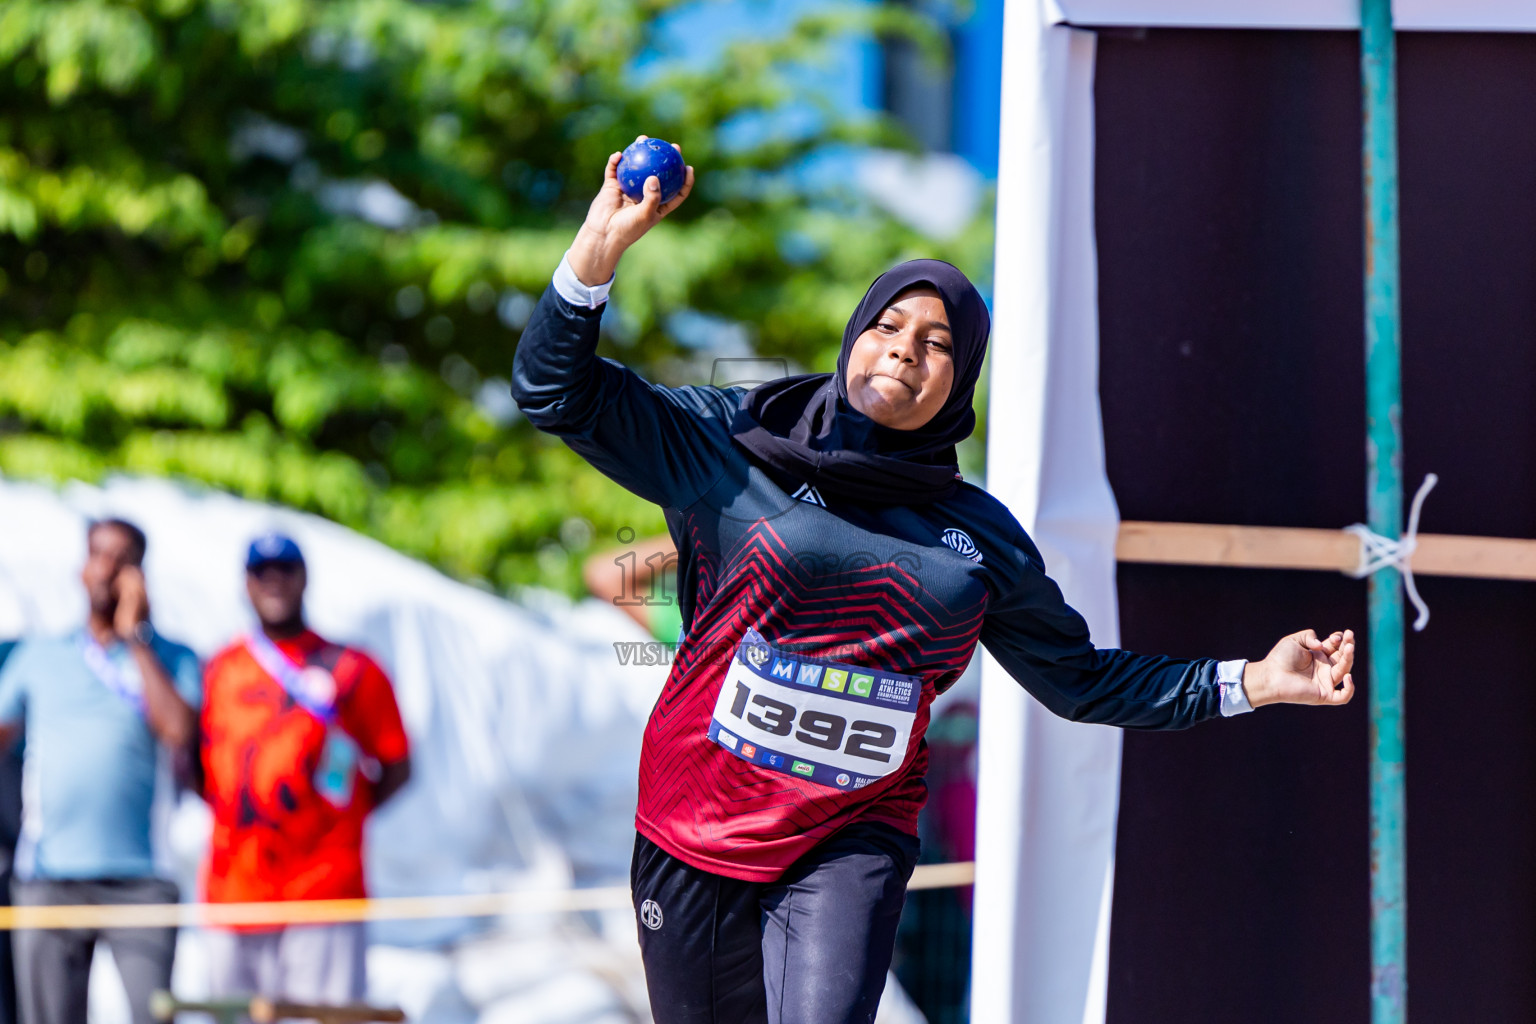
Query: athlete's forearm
x=1142 y=691
x=556 y=375
x=594 y=258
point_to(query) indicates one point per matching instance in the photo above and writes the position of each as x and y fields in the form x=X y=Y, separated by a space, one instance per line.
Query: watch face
x=144 y=632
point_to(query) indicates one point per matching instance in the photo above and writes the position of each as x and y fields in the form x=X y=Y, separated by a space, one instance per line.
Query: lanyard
x=129 y=685
x=311 y=687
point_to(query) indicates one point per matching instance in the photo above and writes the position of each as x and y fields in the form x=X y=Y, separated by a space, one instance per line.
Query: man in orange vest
x=301 y=740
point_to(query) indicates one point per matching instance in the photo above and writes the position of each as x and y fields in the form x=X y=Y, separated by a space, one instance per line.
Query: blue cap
x=272 y=547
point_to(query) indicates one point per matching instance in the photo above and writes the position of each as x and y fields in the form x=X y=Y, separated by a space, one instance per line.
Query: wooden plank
x=261 y=1010
x=269 y=1011
x=1490 y=558
x=1251 y=547
x=943 y=876
x=1273 y=547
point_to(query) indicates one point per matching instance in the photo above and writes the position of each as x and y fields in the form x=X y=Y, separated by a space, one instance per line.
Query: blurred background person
x=97 y=705
x=301 y=739
x=640 y=580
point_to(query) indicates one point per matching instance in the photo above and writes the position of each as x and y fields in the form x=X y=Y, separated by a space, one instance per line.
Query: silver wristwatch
x=143 y=633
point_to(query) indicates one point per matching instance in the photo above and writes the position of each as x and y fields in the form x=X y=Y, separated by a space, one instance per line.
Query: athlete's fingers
x=682 y=193
x=611 y=181
x=651 y=198
x=1307 y=638
x=1343 y=693
x=1344 y=662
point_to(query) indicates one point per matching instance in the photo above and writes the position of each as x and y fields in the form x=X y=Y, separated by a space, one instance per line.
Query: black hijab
x=806 y=429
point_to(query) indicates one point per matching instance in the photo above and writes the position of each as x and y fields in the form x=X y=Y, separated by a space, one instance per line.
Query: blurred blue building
x=956 y=113
x=950 y=111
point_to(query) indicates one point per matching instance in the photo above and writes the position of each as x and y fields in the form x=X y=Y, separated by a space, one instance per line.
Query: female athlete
x=835 y=574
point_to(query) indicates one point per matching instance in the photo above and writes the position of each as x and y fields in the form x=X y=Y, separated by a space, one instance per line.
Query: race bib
x=842 y=726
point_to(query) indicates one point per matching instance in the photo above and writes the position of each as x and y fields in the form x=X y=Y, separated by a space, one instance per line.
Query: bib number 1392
x=873 y=741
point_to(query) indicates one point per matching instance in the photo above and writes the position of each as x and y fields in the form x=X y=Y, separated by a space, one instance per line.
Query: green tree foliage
x=282 y=247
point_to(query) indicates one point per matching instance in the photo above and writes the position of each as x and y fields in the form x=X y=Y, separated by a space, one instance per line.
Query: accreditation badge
x=842 y=726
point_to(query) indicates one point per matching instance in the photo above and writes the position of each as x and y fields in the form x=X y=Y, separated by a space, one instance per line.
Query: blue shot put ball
x=645 y=158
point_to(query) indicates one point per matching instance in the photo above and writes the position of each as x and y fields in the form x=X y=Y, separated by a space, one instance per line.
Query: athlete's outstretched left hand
x=1303 y=669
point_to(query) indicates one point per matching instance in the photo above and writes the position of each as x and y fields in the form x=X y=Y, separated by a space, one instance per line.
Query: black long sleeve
x=1044 y=644
x=665 y=444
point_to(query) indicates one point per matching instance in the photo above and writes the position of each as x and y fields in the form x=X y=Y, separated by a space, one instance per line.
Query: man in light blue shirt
x=97 y=705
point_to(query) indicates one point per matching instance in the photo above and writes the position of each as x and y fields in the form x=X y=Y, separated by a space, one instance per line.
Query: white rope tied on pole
x=1378 y=552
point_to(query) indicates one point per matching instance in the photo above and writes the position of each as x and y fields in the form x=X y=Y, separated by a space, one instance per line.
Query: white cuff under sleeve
x=1234 y=701
x=573 y=291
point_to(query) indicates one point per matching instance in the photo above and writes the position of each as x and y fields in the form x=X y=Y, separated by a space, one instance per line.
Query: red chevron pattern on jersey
x=722 y=814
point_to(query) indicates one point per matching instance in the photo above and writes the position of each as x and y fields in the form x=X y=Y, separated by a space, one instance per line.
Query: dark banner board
x=1229 y=227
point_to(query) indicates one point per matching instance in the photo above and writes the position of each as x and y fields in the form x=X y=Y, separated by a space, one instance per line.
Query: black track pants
x=810 y=948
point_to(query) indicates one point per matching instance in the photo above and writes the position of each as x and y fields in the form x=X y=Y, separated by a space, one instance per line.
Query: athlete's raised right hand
x=615 y=222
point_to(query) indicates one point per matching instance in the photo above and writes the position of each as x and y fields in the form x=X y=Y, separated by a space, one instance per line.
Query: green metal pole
x=1384 y=485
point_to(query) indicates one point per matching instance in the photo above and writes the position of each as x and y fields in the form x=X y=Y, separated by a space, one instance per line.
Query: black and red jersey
x=817 y=632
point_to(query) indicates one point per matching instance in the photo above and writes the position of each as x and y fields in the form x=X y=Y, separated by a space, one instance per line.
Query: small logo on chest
x=962 y=543
x=809 y=494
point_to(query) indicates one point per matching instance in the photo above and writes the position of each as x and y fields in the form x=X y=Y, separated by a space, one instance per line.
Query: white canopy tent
x=1049 y=789
x=525 y=732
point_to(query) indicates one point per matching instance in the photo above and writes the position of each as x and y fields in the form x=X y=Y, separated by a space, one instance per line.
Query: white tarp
x=525 y=727
x=497 y=698
x=1048 y=788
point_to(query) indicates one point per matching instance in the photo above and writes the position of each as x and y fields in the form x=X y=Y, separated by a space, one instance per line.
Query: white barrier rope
x=1378 y=552
x=395 y=908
